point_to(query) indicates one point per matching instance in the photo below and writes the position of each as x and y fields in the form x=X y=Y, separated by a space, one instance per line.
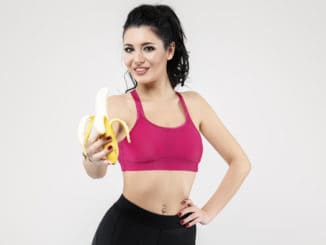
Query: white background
x=260 y=65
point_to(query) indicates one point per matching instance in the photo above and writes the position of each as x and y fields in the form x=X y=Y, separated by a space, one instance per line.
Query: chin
x=144 y=80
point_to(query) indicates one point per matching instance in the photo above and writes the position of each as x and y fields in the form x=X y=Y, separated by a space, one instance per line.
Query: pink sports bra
x=153 y=147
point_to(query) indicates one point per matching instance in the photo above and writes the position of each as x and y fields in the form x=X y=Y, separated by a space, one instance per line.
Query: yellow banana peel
x=101 y=123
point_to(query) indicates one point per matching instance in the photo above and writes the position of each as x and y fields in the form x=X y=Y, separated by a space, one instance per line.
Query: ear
x=171 y=50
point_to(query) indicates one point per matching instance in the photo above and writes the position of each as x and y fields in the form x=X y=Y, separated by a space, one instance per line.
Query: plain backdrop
x=259 y=64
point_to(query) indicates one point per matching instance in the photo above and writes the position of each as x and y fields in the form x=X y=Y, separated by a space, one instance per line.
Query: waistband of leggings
x=143 y=216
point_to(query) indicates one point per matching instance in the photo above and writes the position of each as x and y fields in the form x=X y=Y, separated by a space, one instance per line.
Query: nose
x=139 y=58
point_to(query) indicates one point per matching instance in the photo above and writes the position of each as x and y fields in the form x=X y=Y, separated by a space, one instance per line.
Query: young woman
x=160 y=164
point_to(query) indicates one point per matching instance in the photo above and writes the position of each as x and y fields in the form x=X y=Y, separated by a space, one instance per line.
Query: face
x=144 y=54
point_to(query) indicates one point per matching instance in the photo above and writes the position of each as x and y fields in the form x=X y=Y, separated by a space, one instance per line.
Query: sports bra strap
x=141 y=111
x=185 y=109
x=138 y=103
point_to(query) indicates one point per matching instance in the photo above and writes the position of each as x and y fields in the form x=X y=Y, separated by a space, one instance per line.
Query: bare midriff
x=158 y=191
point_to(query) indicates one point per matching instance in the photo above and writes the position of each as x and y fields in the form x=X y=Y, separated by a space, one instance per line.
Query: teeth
x=141 y=69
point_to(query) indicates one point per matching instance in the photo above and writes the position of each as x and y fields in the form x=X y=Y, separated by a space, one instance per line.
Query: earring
x=130 y=76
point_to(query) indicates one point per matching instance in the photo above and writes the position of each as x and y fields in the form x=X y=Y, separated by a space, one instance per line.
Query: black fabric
x=125 y=223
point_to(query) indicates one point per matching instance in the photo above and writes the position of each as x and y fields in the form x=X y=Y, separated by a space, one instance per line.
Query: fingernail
x=179 y=214
x=181 y=222
x=108 y=138
x=110 y=148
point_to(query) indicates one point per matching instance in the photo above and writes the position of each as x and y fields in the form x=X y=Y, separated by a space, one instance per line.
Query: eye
x=128 y=50
x=150 y=48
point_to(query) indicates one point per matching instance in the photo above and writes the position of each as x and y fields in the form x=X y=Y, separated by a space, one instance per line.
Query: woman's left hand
x=197 y=215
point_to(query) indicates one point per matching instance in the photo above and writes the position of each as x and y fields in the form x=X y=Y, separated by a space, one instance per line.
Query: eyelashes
x=148 y=48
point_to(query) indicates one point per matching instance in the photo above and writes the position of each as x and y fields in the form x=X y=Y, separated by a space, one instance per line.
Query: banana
x=100 y=121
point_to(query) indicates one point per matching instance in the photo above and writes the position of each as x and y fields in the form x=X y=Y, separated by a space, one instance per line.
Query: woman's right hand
x=95 y=151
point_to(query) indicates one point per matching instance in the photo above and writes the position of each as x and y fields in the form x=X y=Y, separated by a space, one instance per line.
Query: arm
x=93 y=170
x=224 y=143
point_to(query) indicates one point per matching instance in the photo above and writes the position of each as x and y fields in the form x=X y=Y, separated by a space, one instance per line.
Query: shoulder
x=194 y=99
x=192 y=95
x=112 y=104
x=194 y=102
x=189 y=96
x=200 y=106
x=117 y=107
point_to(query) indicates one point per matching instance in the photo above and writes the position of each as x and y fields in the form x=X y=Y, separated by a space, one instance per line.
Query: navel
x=164 y=209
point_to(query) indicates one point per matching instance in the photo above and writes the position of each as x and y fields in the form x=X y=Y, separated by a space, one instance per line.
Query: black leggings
x=125 y=223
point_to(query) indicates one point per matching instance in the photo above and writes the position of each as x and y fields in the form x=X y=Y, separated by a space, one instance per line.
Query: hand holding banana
x=103 y=127
x=96 y=153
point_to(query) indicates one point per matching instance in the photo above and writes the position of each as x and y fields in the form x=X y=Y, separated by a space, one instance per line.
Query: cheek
x=157 y=60
x=127 y=60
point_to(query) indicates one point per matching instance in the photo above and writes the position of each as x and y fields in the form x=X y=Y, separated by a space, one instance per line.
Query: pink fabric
x=153 y=147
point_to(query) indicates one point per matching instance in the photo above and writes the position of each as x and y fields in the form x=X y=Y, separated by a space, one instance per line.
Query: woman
x=160 y=163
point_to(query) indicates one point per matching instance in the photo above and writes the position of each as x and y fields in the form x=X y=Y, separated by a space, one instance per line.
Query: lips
x=141 y=70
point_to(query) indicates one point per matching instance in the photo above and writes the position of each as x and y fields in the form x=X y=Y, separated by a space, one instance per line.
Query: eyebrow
x=145 y=43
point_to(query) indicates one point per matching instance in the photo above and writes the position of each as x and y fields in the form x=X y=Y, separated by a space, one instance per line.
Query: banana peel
x=103 y=125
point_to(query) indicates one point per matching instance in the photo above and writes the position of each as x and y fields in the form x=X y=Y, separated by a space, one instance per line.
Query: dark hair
x=166 y=25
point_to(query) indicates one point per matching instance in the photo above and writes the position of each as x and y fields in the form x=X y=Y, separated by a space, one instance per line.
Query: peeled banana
x=100 y=121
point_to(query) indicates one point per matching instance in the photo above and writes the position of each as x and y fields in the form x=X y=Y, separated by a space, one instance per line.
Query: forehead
x=138 y=35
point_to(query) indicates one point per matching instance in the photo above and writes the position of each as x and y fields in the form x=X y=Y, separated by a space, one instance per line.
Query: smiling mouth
x=141 y=70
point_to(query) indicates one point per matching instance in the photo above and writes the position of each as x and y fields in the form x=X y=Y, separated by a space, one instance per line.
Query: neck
x=158 y=91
